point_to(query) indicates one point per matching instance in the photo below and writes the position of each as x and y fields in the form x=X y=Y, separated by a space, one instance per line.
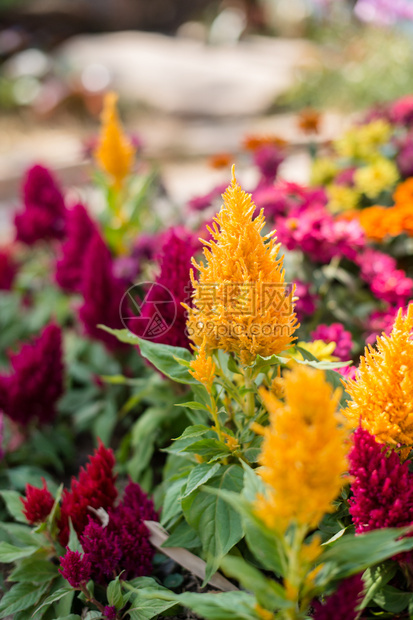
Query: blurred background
x=194 y=77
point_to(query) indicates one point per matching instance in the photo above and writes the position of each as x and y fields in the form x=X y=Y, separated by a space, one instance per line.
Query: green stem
x=249 y=397
x=294 y=573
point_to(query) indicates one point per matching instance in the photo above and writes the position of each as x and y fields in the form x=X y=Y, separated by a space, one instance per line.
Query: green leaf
x=189 y=436
x=375 y=578
x=163 y=356
x=143 y=609
x=268 y=592
x=172 y=503
x=74 y=542
x=56 y=596
x=209 y=448
x=391 y=599
x=352 y=554
x=23 y=534
x=21 y=596
x=218 y=525
x=34 y=569
x=11 y=553
x=198 y=476
x=114 y=594
x=183 y=536
x=14 y=505
x=261 y=363
x=221 y=606
x=192 y=405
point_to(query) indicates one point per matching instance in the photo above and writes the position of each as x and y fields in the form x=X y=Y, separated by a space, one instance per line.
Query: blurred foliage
x=360 y=67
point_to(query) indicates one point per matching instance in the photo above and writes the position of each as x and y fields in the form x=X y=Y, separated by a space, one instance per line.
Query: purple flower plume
x=342 y=605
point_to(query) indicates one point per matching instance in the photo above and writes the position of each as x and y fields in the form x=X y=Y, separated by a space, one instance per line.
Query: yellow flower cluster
x=380 y=175
x=240 y=302
x=364 y=141
x=341 y=198
x=323 y=171
x=304 y=453
x=203 y=367
x=382 y=392
x=114 y=152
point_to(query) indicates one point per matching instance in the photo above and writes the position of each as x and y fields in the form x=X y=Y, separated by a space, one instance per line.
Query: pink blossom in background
x=44 y=213
x=35 y=383
x=338 y=334
x=401 y=110
x=345 y=177
x=404 y=158
x=80 y=230
x=306 y=302
x=200 y=203
x=384 y=11
x=386 y=282
x=274 y=200
x=268 y=159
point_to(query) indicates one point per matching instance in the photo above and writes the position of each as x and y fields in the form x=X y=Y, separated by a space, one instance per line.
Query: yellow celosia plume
x=382 y=392
x=114 y=152
x=304 y=453
x=203 y=367
x=240 y=302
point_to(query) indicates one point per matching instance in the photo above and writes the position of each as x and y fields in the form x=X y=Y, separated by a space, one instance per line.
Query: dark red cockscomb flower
x=110 y=612
x=102 y=293
x=37 y=504
x=44 y=213
x=36 y=383
x=75 y=568
x=382 y=487
x=80 y=230
x=102 y=547
x=8 y=270
x=126 y=521
x=343 y=604
x=94 y=488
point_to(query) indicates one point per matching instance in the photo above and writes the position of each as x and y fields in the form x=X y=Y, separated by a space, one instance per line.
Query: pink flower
x=343 y=604
x=37 y=504
x=80 y=230
x=401 y=111
x=387 y=282
x=382 y=487
x=102 y=293
x=274 y=200
x=200 y=203
x=335 y=333
x=268 y=159
x=75 y=568
x=306 y=302
x=404 y=158
x=346 y=177
x=44 y=213
x=102 y=548
x=36 y=383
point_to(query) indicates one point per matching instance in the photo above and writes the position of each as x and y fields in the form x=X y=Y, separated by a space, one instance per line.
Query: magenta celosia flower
x=75 y=568
x=94 y=488
x=274 y=200
x=102 y=293
x=44 y=213
x=36 y=381
x=404 y=158
x=268 y=159
x=380 y=272
x=335 y=333
x=37 y=504
x=8 y=270
x=347 y=372
x=80 y=230
x=382 y=487
x=162 y=317
x=110 y=612
x=102 y=549
x=342 y=605
x=306 y=302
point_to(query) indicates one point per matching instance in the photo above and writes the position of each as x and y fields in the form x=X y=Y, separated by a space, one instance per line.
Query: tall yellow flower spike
x=203 y=368
x=382 y=392
x=114 y=152
x=304 y=453
x=240 y=302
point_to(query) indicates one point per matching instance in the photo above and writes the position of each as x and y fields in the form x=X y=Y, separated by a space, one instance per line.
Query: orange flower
x=309 y=121
x=378 y=222
x=404 y=192
x=255 y=142
x=220 y=160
